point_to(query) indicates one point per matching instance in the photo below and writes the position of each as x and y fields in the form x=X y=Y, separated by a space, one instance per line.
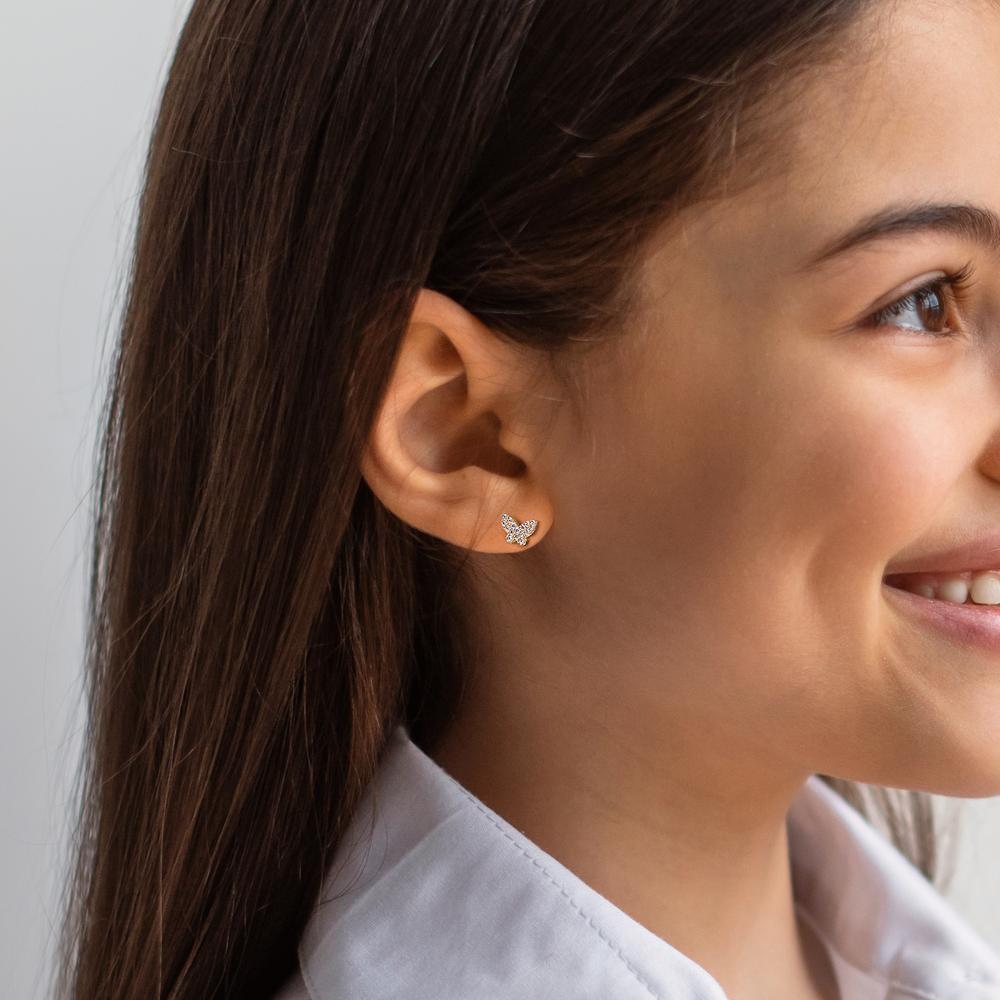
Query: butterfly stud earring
x=519 y=533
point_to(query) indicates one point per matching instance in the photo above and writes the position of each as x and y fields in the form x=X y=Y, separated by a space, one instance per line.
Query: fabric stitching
x=893 y=983
x=914 y=991
x=572 y=902
x=908 y=988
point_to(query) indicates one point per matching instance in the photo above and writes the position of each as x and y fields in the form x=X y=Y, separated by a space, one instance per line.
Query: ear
x=455 y=443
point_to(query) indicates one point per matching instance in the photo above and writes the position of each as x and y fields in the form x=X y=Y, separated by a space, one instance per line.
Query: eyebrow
x=970 y=222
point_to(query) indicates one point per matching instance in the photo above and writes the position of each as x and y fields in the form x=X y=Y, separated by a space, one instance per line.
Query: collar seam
x=616 y=949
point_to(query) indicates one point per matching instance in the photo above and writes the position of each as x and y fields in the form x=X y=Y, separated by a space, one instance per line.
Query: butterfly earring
x=519 y=533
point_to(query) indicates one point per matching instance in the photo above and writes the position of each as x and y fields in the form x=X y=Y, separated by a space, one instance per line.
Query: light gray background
x=78 y=84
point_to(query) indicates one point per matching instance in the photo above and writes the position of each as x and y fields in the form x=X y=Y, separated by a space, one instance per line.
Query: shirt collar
x=432 y=894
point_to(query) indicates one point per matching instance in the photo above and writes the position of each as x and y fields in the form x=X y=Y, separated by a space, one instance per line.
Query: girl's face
x=771 y=440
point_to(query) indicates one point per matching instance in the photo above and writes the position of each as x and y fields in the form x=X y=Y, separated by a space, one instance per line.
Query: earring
x=519 y=533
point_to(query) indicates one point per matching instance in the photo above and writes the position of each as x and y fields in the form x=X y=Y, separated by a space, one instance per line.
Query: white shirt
x=434 y=896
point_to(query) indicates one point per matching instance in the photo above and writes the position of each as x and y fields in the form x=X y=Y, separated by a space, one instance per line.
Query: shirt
x=434 y=896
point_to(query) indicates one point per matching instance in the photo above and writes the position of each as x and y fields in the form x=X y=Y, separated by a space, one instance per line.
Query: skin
x=699 y=622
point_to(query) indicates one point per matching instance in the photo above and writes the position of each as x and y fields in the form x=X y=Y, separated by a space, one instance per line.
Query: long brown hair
x=258 y=621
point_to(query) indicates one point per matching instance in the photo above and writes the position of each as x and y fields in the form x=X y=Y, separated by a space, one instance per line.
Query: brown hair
x=258 y=621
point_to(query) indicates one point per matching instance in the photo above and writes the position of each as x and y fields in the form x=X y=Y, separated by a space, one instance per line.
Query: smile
x=965 y=622
x=979 y=587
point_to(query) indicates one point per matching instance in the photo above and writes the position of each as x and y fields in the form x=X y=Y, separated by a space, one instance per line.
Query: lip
x=970 y=624
x=981 y=552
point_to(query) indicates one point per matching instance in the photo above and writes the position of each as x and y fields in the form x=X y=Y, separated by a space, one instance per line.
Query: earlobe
x=439 y=453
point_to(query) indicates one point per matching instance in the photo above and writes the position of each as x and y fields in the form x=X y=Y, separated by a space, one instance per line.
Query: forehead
x=909 y=113
x=921 y=108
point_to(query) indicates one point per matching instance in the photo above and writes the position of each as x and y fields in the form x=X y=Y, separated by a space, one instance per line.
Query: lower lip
x=972 y=624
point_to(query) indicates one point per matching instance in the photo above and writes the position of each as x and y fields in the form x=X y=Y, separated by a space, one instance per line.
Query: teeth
x=986 y=589
x=955 y=591
x=980 y=587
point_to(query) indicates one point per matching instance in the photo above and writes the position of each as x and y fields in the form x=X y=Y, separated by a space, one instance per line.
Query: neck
x=690 y=845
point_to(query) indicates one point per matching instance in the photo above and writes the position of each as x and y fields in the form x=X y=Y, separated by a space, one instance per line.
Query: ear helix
x=517 y=533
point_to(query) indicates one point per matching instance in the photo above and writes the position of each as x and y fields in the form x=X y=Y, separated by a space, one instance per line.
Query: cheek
x=867 y=472
x=773 y=493
x=792 y=470
x=730 y=527
x=771 y=486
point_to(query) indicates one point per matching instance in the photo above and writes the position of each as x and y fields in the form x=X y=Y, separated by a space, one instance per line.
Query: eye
x=925 y=309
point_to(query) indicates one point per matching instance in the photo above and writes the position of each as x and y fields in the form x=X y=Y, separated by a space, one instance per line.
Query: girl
x=551 y=476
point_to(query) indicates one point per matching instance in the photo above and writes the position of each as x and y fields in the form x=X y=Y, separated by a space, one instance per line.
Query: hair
x=257 y=621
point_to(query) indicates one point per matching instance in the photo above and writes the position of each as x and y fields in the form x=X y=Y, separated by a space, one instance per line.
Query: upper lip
x=979 y=553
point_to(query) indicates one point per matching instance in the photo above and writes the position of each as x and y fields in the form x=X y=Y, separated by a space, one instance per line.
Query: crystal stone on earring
x=519 y=533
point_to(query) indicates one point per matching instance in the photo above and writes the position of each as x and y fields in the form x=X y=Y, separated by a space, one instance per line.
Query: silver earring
x=519 y=533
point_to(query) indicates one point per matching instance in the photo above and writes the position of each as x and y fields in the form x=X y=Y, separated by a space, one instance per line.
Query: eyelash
x=958 y=282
